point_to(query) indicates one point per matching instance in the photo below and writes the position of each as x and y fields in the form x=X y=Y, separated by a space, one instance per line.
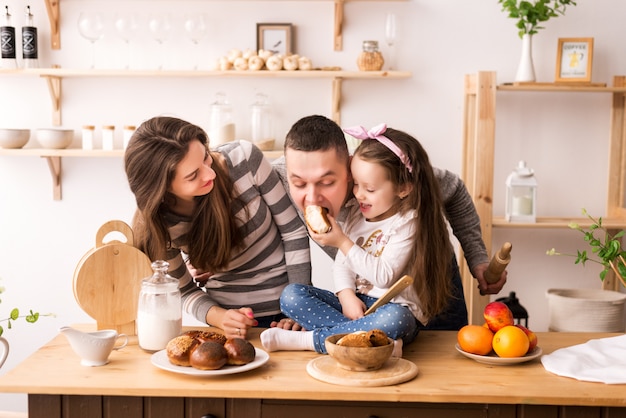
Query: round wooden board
x=107 y=280
x=393 y=372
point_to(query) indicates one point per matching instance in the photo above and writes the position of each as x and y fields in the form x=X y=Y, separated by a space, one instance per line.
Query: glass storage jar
x=370 y=59
x=159 y=311
x=261 y=123
x=221 y=125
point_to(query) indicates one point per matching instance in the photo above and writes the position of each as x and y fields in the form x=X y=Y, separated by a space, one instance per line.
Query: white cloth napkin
x=599 y=360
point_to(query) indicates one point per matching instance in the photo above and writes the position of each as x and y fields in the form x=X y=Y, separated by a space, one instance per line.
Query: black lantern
x=519 y=312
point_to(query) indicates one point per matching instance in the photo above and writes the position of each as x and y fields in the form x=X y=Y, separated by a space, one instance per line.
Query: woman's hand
x=235 y=322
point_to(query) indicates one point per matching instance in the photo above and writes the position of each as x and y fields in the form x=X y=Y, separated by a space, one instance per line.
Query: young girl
x=228 y=211
x=402 y=230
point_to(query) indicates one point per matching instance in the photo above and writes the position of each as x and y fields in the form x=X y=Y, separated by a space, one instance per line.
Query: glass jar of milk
x=159 y=312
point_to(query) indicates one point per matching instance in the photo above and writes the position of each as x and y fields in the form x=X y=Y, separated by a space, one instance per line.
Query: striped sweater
x=275 y=250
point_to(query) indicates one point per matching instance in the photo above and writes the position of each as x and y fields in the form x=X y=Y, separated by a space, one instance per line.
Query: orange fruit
x=510 y=341
x=475 y=339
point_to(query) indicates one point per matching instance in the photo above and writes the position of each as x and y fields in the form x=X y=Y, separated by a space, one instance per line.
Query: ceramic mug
x=94 y=348
x=4 y=351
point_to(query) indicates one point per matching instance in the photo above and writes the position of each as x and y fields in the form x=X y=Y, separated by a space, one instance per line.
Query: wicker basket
x=586 y=310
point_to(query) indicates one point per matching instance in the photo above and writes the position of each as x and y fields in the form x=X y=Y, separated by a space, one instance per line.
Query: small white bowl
x=14 y=138
x=55 y=138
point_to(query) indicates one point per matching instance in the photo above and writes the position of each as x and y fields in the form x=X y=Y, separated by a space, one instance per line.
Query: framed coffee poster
x=574 y=59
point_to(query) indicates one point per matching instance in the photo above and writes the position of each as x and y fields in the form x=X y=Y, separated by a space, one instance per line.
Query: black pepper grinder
x=7 y=42
x=30 y=50
x=498 y=263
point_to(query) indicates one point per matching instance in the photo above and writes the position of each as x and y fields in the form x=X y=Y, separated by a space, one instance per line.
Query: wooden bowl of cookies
x=360 y=351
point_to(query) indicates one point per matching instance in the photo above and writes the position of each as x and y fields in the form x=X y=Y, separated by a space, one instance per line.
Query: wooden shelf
x=52 y=7
x=54 y=77
x=478 y=164
x=53 y=158
x=558 y=223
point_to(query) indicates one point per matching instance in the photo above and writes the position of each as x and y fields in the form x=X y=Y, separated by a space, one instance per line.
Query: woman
x=223 y=211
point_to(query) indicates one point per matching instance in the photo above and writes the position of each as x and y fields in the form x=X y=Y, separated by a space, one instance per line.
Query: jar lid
x=108 y=127
x=91 y=127
x=370 y=46
x=130 y=127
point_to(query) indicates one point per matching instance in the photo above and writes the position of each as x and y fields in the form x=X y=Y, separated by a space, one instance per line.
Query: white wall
x=562 y=136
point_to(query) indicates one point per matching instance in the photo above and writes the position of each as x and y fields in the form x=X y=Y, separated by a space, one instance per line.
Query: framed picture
x=574 y=59
x=275 y=37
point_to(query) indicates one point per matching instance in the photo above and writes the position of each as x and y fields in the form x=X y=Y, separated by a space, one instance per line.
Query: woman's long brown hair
x=153 y=153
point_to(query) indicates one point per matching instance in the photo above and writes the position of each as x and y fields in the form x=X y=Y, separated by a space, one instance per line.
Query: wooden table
x=448 y=384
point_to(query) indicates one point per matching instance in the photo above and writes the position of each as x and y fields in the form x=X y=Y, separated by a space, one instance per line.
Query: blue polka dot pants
x=319 y=310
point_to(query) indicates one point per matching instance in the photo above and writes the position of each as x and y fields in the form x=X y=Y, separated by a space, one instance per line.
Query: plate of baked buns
x=207 y=353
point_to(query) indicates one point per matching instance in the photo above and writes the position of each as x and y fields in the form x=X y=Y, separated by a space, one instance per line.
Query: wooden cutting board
x=393 y=372
x=107 y=280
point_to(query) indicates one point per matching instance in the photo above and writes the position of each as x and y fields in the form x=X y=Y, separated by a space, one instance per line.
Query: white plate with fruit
x=499 y=341
x=494 y=360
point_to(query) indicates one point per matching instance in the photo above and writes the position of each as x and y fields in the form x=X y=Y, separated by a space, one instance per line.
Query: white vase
x=526 y=69
x=4 y=351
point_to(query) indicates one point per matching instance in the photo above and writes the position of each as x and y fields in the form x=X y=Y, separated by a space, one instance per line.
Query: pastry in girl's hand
x=317 y=219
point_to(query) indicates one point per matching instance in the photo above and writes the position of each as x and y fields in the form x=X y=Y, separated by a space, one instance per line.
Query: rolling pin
x=498 y=263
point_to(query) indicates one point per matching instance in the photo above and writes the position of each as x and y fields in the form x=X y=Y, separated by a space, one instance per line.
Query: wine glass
x=160 y=26
x=390 y=37
x=91 y=27
x=195 y=28
x=126 y=25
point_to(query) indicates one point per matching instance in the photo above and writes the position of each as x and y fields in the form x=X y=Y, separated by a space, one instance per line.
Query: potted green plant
x=607 y=248
x=14 y=315
x=596 y=309
x=530 y=15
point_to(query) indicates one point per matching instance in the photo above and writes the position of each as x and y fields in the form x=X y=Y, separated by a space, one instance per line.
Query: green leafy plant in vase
x=530 y=15
x=14 y=315
x=607 y=248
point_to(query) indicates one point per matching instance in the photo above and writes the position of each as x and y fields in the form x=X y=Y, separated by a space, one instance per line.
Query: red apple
x=532 y=337
x=497 y=315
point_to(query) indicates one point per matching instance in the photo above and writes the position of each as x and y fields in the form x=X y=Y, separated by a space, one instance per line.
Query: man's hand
x=488 y=288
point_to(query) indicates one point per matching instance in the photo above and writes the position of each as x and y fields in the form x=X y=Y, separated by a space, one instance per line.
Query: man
x=316 y=171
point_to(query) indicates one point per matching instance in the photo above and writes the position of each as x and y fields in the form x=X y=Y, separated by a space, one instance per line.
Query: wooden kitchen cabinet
x=479 y=136
x=71 y=406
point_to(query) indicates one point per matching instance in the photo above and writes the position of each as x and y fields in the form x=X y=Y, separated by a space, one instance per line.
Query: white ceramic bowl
x=14 y=138
x=55 y=138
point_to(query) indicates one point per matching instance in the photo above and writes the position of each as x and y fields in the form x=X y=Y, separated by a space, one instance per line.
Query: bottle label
x=29 y=42
x=7 y=41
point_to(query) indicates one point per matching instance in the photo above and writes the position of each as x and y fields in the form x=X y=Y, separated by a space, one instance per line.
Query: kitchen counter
x=130 y=386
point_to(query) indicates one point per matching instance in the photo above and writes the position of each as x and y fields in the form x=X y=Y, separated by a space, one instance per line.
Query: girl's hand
x=333 y=238
x=351 y=306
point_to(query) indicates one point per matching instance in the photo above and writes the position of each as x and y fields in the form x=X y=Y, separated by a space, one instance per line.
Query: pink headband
x=377 y=133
